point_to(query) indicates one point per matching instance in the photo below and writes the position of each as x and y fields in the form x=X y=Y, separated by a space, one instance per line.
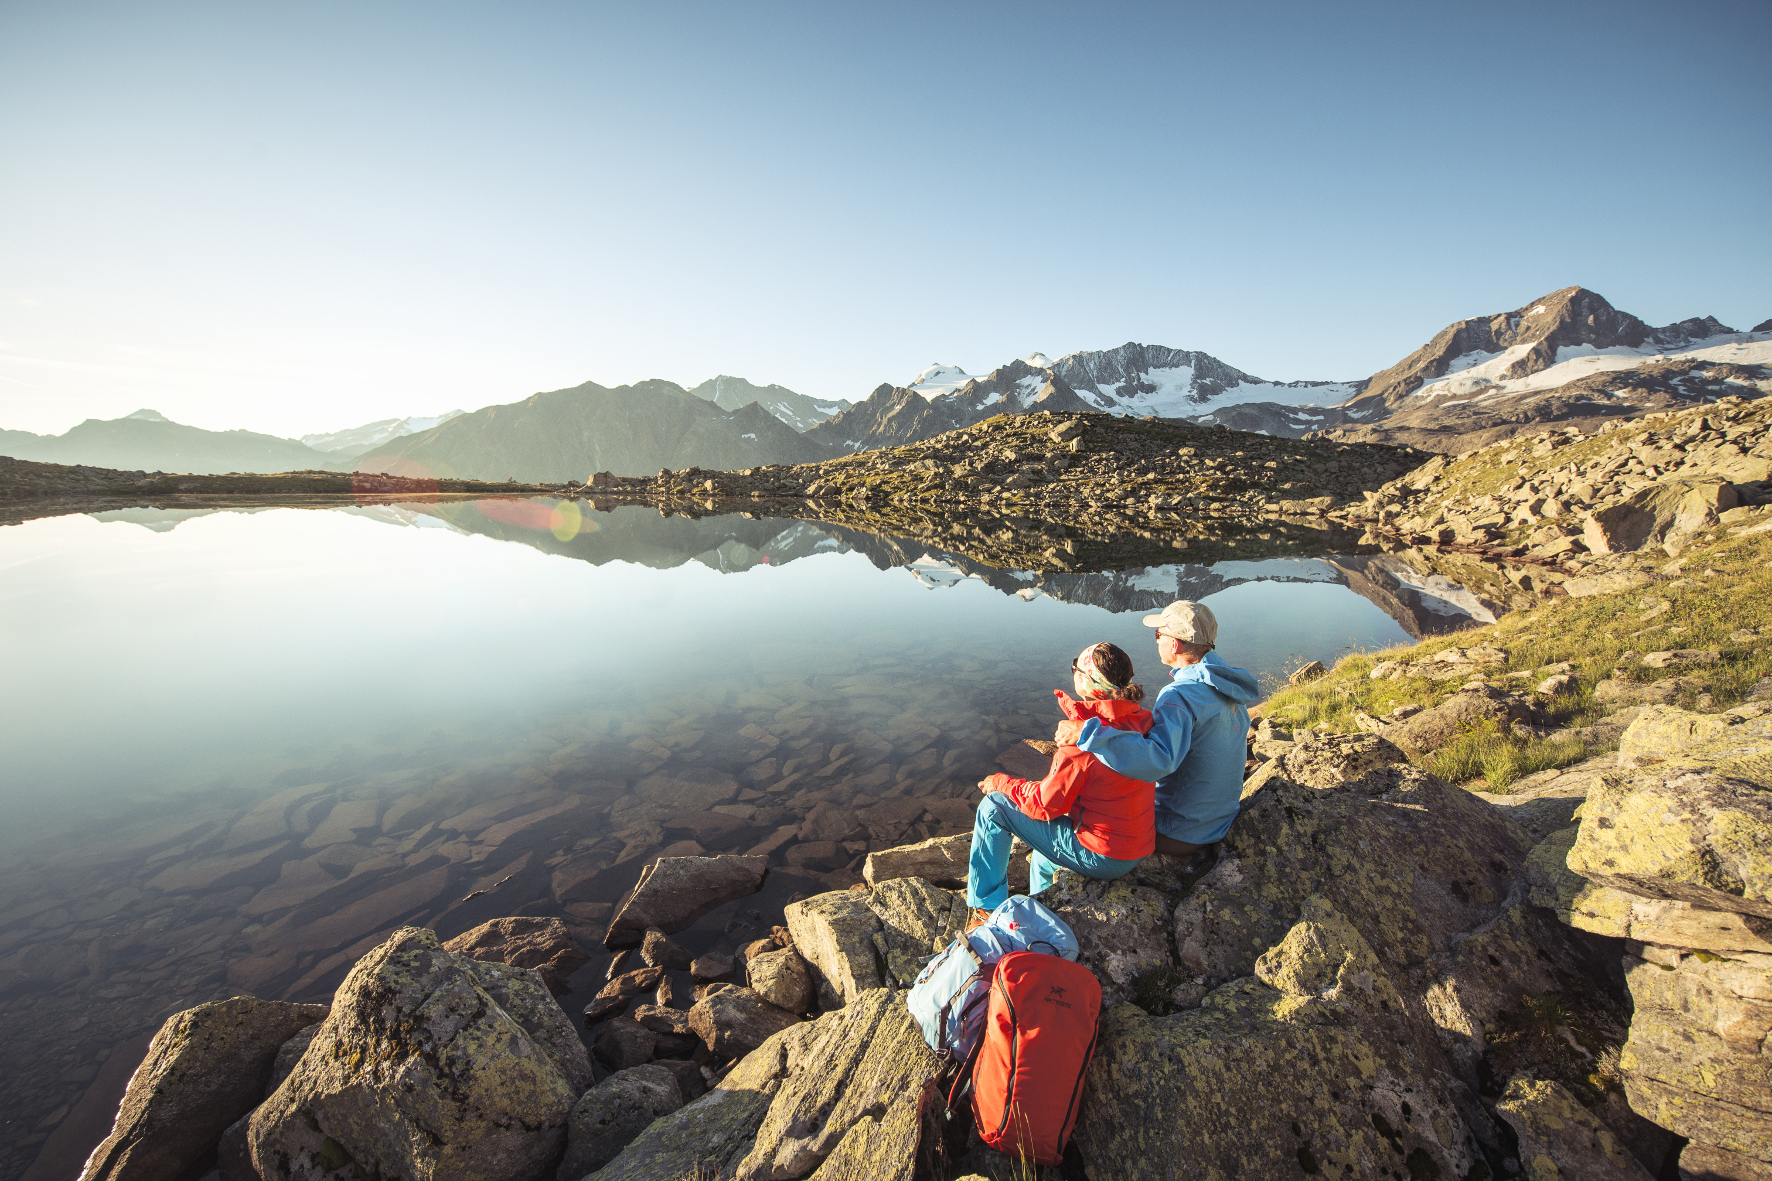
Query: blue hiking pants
x=995 y=826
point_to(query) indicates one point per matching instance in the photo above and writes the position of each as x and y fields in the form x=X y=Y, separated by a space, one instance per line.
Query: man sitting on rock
x=1195 y=747
x=1082 y=816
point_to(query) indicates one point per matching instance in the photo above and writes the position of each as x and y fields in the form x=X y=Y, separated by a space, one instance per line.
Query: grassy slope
x=1722 y=585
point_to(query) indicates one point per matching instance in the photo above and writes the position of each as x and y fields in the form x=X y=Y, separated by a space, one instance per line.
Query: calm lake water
x=239 y=747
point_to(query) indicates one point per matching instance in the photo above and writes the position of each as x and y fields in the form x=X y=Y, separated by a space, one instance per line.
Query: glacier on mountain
x=1480 y=373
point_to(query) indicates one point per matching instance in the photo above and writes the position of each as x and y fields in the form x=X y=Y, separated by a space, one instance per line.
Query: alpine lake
x=243 y=745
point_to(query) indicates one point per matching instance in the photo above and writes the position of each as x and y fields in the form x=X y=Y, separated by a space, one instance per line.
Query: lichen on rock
x=431 y=1066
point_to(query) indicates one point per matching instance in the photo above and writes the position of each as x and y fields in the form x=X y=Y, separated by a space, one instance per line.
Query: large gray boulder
x=612 y=1113
x=433 y=1067
x=1122 y=929
x=1694 y=825
x=857 y=1101
x=853 y=940
x=1696 y=1061
x=206 y=1067
x=675 y=891
x=1312 y=1078
x=940 y=861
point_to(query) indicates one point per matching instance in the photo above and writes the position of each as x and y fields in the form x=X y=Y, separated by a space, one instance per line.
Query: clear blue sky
x=304 y=216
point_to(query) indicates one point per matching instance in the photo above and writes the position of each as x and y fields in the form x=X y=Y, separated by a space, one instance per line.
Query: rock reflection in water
x=835 y=729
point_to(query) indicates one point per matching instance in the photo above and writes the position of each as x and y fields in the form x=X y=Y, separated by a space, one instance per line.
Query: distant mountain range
x=1569 y=355
x=570 y=434
x=149 y=441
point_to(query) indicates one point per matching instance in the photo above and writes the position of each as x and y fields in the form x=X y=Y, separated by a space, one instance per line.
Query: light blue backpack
x=949 y=996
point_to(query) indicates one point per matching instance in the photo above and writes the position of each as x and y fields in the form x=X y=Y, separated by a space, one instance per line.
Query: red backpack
x=1039 y=1035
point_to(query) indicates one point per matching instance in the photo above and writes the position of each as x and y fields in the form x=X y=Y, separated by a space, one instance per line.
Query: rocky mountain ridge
x=797 y=410
x=566 y=435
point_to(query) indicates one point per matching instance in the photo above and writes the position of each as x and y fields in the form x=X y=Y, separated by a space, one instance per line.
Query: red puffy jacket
x=1114 y=816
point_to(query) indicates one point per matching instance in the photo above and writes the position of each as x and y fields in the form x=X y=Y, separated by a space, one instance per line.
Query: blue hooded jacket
x=1193 y=752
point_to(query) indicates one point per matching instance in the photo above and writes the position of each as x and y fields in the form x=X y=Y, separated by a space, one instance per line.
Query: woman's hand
x=990 y=783
x=1068 y=733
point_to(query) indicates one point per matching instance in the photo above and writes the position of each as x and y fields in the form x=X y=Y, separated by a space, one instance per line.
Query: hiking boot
x=979 y=918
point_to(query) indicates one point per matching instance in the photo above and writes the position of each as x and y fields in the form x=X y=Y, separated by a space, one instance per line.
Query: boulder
x=735 y=1021
x=1616 y=692
x=1433 y=728
x=614 y=996
x=1695 y=1061
x=712 y=967
x=708 y=1136
x=623 y=1043
x=916 y=920
x=288 y=1054
x=1325 y=760
x=542 y=944
x=857 y=1101
x=1122 y=929
x=206 y=1067
x=854 y=940
x=781 y=978
x=658 y=951
x=1707 y=1162
x=1609 y=582
x=1260 y=1082
x=940 y=861
x=432 y=1066
x=1695 y=827
x=612 y=1113
x=834 y=934
x=675 y=891
x=1620 y=914
x=1314 y=671
x=662 y=1019
x=1659 y=732
x=1561 y=1139
x=1661 y=512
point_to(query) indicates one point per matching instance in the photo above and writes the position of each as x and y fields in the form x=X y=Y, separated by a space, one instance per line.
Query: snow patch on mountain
x=1482 y=373
x=373 y=434
x=1039 y=360
x=938 y=379
x=146 y=416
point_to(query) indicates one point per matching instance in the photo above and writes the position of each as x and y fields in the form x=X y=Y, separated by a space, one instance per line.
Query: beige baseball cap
x=1189 y=622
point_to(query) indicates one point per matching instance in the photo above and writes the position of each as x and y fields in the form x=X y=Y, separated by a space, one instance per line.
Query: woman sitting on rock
x=1082 y=816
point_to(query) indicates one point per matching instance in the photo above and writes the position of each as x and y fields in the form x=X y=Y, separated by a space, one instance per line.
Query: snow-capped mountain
x=937 y=380
x=1132 y=379
x=1568 y=356
x=1175 y=383
x=797 y=410
x=356 y=440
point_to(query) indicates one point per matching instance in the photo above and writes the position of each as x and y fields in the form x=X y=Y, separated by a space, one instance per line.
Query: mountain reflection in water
x=244 y=745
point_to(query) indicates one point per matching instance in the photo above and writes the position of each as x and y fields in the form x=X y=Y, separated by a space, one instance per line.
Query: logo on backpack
x=1055 y=996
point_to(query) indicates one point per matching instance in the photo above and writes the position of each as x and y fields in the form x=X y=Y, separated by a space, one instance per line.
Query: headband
x=1099 y=685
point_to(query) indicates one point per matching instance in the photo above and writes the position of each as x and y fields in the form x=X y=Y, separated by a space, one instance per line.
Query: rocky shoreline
x=1376 y=970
